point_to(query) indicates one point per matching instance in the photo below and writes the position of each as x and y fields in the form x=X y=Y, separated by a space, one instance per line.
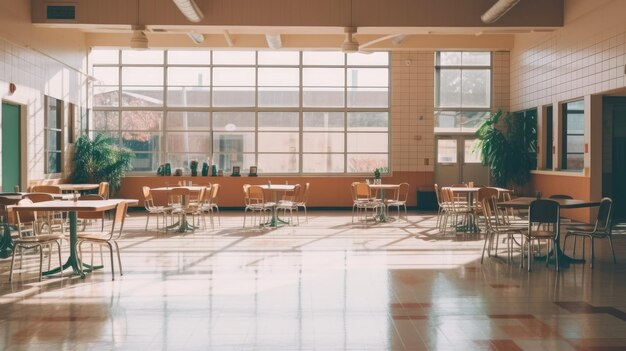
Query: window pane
x=224 y=142
x=279 y=77
x=476 y=58
x=278 y=163
x=380 y=58
x=141 y=141
x=368 y=77
x=182 y=160
x=188 y=57
x=142 y=96
x=368 y=142
x=323 y=77
x=233 y=57
x=322 y=58
x=450 y=88
x=146 y=162
x=368 y=121
x=279 y=97
x=53 y=113
x=575 y=161
x=447 y=58
x=278 y=121
x=323 y=97
x=575 y=123
x=279 y=58
x=368 y=97
x=54 y=162
x=188 y=120
x=142 y=120
x=322 y=163
x=476 y=88
x=279 y=142
x=446 y=151
x=106 y=120
x=189 y=76
x=194 y=142
x=103 y=56
x=459 y=121
x=142 y=57
x=106 y=97
x=233 y=97
x=188 y=96
x=226 y=161
x=106 y=75
x=366 y=163
x=142 y=75
x=575 y=143
x=323 y=142
x=576 y=105
x=471 y=154
x=233 y=121
x=53 y=140
x=322 y=121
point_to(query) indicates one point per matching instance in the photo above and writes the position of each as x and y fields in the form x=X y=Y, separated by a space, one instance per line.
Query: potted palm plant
x=100 y=160
x=507 y=144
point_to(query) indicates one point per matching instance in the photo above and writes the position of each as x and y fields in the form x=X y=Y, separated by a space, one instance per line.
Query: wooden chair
x=289 y=202
x=304 y=197
x=602 y=229
x=148 y=203
x=363 y=201
x=254 y=199
x=399 y=199
x=103 y=190
x=50 y=189
x=496 y=227
x=89 y=215
x=108 y=239
x=53 y=220
x=29 y=238
x=211 y=204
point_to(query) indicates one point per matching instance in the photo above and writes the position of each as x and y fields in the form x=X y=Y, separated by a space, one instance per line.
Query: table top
x=278 y=187
x=461 y=189
x=10 y=199
x=192 y=188
x=77 y=187
x=524 y=202
x=384 y=186
x=83 y=205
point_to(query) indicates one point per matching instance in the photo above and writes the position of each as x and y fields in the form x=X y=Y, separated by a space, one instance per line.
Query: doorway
x=11 y=153
x=614 y=163
x=458 y=161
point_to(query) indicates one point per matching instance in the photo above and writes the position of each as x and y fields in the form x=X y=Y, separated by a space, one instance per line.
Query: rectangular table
x=72 y=207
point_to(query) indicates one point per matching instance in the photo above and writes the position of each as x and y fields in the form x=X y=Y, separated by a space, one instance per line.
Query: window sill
x=580 y=174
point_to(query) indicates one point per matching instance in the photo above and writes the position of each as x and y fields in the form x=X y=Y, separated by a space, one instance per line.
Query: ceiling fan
x=139 y=40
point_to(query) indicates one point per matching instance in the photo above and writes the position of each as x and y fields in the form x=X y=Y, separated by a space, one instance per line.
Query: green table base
x=182 y=226
x=73 y=261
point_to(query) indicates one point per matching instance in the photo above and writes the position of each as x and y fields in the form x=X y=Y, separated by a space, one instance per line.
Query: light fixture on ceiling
x=190 y=9
x=197 y=38
x=273 y=41
x=349 y=45
x=498 y=10
x=139 y=39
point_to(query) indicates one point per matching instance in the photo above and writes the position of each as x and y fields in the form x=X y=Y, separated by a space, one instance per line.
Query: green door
x=10 y=147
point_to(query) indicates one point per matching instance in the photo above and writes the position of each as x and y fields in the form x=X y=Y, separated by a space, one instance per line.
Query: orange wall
x=577 y=187
x=325 y=191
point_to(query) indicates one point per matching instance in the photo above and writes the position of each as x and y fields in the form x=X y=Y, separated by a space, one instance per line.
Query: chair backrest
x=304 y=195
x=202 y=195
x=90 y=214
x=215 y=192
x=605 y=216
x=362 y=191
x=543 y=211
x=255 y=195
x=403 y=192
x=50 y=189
x=438 y=195
x=103 y=190
x=39 y=197
x=118 y=219
x=24 y=218
x=293 y=195
x=486 y=193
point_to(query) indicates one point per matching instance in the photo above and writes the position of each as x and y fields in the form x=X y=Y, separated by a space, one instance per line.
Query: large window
x=53 y=135
x=463 y=90
x=573 y=135
x=285 y=112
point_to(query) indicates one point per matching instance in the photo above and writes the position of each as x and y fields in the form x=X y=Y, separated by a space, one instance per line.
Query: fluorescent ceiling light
x=197 y=38
x=190 y=9
x=497 y=10
x=273 y=41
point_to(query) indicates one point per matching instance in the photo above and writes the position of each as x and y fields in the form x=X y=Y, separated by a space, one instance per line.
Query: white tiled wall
x=35 y=75
x=586 y=56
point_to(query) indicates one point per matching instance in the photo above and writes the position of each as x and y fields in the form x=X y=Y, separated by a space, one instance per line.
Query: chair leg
x=40 y=261
x=112 y=266
x=612 y=250
x=593 y=251
x=119 y=258
x=484 y=246
x=60 y=260
x=15 y=248
x=573 y=251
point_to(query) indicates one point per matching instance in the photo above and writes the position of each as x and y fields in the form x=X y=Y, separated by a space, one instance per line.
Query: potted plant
x=377 y=176
x=194 y=168
x=100 y=160
x=507 y=144
x=205 y=169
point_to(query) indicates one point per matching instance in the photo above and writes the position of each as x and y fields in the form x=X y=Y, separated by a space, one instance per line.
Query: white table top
x=83 y=205
x=278 y=187
x=192 y=188
x=77 y=187
x=460 y=189
x=384 y=186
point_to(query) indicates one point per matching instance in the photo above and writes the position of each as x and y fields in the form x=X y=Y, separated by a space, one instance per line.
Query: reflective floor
x=323 y=285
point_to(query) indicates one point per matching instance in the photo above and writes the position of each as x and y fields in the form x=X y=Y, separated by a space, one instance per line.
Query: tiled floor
x=324 y=285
